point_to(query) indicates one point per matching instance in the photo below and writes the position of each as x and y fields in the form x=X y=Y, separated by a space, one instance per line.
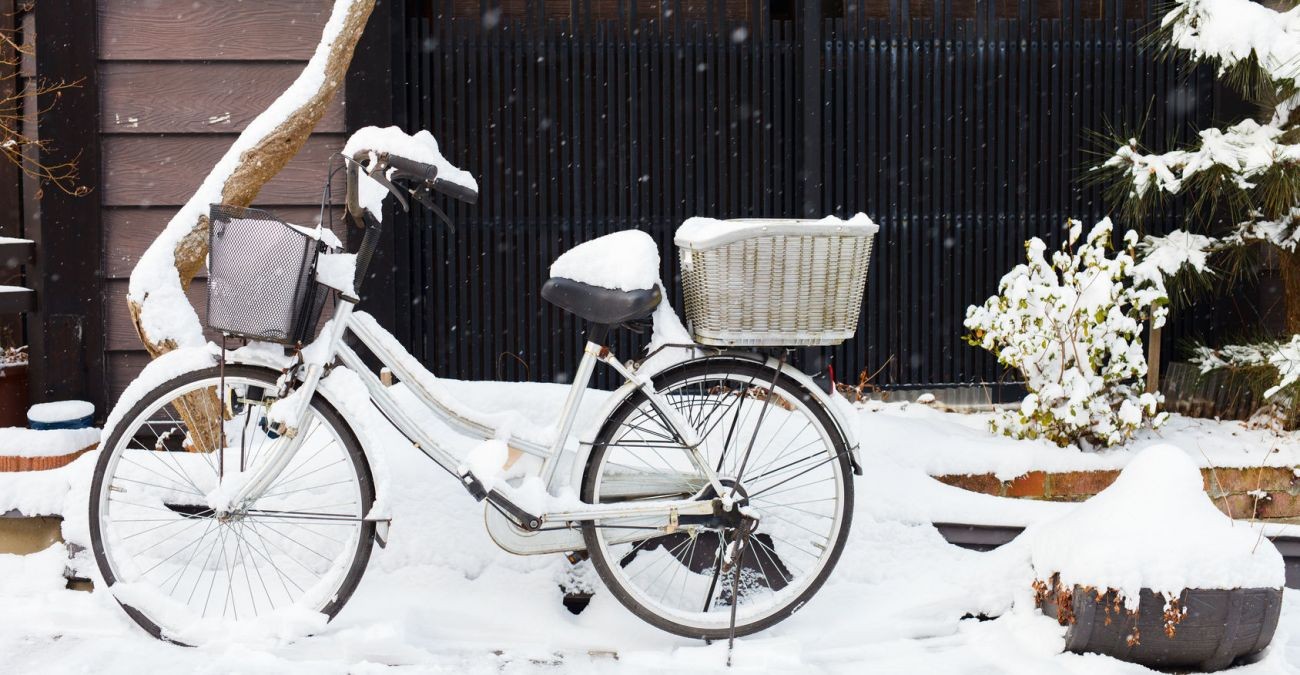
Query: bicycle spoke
x=155 y=528
x=764 y=441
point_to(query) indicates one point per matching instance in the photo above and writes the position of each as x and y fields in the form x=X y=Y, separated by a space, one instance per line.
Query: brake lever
x=379 y=177
x=424 y=196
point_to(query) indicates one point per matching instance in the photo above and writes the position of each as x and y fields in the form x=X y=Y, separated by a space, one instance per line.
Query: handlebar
x=411 y=169
x=418 y=178
x=428 y=174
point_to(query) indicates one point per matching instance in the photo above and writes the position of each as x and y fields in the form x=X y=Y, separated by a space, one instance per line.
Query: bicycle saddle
x=604 y=306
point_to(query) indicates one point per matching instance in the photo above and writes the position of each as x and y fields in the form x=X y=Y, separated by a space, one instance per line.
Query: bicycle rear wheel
x=791 y=463
x=187 y=567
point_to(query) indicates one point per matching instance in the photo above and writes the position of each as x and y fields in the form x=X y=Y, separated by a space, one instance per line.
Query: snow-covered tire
x=330 y=597
x=1221 y=626
x=610 y=561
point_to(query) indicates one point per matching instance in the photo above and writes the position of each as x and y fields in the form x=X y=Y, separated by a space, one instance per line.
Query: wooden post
x=1153 y=360
x=66 y=332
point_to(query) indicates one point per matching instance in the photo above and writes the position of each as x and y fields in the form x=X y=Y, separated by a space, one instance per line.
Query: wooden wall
x=178 y=80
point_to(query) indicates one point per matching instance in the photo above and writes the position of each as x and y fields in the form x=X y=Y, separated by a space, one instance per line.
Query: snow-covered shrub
x=1072 y=326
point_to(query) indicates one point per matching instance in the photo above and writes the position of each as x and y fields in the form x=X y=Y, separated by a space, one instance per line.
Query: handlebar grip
x=412 y=169
x=455 y=190
x=428 y=173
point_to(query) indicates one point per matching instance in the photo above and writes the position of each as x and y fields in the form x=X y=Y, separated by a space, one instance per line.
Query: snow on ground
x=939 y=443
x=443 y=598
x=24 y=442
x=1197 y=546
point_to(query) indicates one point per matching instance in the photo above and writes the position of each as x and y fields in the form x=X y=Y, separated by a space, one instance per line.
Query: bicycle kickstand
x=747 y=525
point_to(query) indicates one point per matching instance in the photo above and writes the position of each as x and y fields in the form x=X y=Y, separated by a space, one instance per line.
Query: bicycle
x=713 y=498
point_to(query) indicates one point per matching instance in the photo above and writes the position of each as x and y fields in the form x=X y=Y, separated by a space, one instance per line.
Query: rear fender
x=842 y=423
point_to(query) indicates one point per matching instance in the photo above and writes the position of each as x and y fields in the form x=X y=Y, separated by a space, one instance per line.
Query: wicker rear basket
x=757 y=282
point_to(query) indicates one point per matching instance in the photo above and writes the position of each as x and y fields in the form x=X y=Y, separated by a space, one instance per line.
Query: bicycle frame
x=409 y=371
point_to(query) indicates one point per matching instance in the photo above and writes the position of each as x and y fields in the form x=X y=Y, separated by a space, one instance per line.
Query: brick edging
x=1254 y=492
x=11 y=464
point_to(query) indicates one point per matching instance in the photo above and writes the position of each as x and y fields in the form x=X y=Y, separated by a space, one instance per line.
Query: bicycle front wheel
x=781 y=452
x=189 y=567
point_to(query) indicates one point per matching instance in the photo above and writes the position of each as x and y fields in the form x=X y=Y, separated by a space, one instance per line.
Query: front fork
x=299 y=400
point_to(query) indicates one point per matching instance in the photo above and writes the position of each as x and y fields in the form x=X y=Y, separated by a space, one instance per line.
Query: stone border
x=14 y=464
x=1267 y=493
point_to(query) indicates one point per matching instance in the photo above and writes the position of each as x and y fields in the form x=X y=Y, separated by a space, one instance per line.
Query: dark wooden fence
x=961 y=127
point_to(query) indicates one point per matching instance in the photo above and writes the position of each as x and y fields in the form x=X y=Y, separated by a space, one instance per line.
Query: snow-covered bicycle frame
x=515 y=528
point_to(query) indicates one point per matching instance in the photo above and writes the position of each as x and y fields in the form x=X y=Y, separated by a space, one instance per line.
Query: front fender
x=842 y=423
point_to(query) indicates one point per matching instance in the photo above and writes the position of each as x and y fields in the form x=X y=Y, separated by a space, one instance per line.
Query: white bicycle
x=713 y=498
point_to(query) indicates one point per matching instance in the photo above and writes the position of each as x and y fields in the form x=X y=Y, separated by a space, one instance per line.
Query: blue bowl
x=79 y=423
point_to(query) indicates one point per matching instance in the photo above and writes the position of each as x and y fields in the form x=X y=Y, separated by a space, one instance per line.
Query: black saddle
x=602 y=306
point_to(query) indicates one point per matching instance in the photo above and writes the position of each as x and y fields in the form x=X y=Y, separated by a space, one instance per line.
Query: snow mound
x=60 y=411
x=1154 y=527
x=20 y=442
x=623 y=261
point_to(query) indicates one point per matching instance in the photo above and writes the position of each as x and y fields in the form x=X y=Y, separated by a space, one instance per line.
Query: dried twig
x=24 y=150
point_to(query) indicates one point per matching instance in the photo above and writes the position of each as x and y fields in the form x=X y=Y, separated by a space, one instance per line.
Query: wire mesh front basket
x=261 y=277
x=755 y=282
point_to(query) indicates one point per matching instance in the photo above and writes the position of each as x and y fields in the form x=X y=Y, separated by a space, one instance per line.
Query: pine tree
x=1239 y=185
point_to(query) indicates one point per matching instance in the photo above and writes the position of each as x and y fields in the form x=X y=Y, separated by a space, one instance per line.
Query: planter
x=15 y=464
x=1204 y=629
x=61 y=415
x=13 y=395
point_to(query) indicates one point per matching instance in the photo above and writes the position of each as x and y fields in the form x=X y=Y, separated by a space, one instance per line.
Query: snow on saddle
x=608 y=281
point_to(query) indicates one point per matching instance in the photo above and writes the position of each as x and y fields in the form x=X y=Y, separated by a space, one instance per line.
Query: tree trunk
x=1290 y=267
x=256 y=165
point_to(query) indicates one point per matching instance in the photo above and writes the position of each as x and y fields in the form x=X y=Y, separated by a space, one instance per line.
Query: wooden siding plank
x=123 y=367
x=225 y=30
x=165 y=170
x=196 y=98
x=120 y=334
x=128 y=231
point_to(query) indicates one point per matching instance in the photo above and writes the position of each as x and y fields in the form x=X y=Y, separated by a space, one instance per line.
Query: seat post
x=597 y=332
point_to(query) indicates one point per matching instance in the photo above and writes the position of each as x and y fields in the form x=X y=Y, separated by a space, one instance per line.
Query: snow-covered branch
x=1283 y=357
x=162 y=313
x=1283 y=232
x=1244 y=151
x=1166 y=256
x=1231 y=32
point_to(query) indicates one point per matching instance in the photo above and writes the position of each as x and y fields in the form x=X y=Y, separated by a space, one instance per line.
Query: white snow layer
x=20 y=442
x=700 y=232
x=441 y=598
x=165 y=312
x=338 y=271
x=420 y=146
x=1231 y=30
x=60 y=411
x=623 y=261
x=1154 y=527
x=1170 y=253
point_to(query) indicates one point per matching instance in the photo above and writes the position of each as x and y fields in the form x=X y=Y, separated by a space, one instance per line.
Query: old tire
x=1220 y=627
